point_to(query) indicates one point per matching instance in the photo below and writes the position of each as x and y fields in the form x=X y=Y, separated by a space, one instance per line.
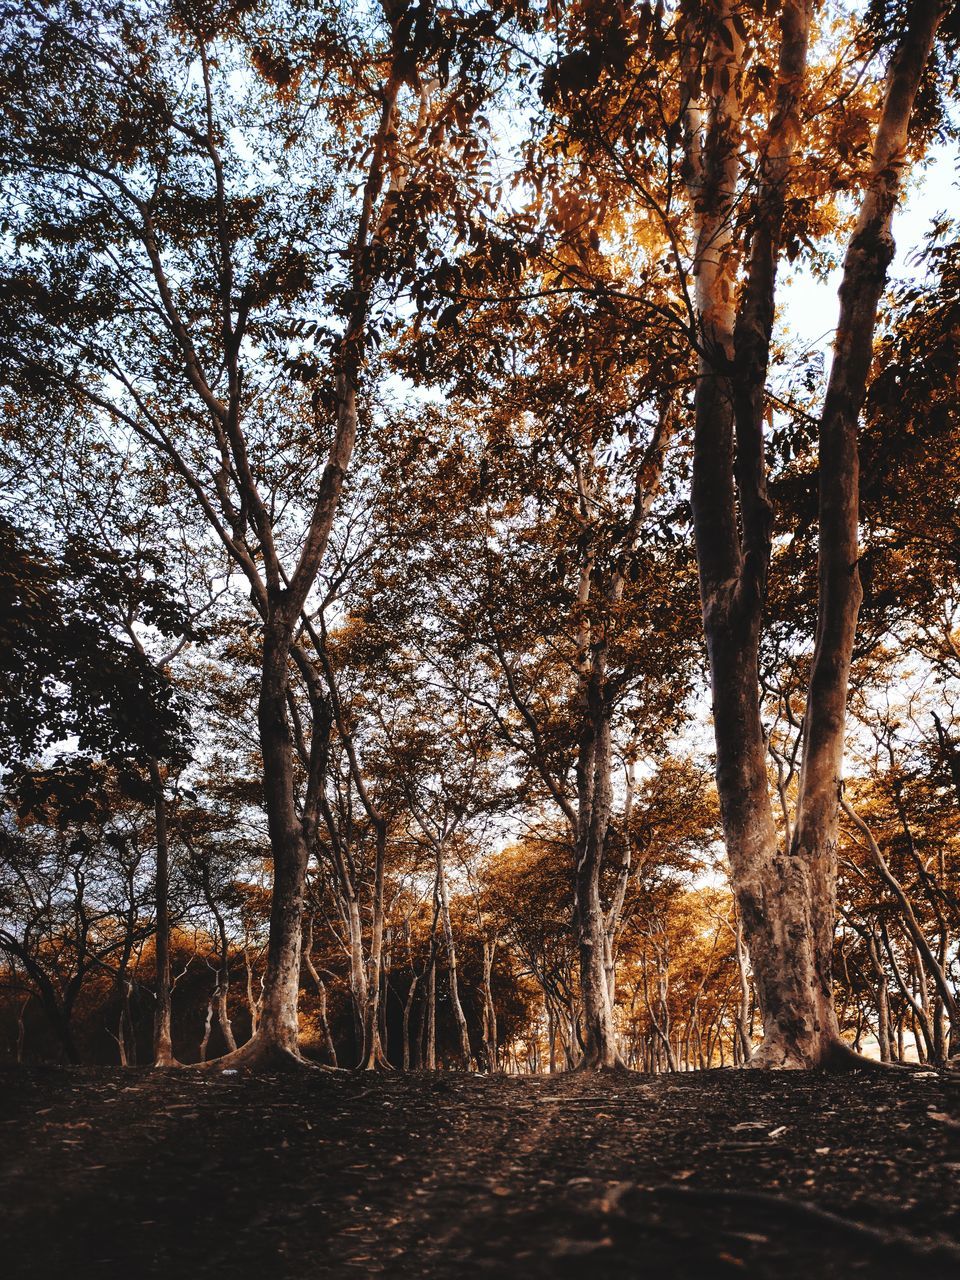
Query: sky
x=809 y=306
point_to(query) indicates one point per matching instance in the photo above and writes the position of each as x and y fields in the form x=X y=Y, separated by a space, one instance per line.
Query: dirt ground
x=136 y=1174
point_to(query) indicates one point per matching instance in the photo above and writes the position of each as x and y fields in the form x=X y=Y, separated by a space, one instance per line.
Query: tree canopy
x=451 y=613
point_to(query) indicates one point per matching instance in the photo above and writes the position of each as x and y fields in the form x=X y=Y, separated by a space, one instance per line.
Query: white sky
x=808 y=307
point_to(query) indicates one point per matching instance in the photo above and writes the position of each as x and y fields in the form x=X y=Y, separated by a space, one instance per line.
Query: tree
x=154 y=244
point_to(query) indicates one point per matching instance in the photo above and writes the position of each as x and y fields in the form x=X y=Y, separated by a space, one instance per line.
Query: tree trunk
x=277 y=1034
x=253 y=1005
x=813 y=851
x=594 y=795
x=430 y=1053
x=374 y=1058
x=407 y=1008
x=733 y=553
x=328 y=1045
x=451 y=948
x=883 y=999
x=208 y=1024
x=62 y=1025
x=926 y=958
x=223 y=966
x=489 y=1009
x=743 y=1009
x=787 y=904
x=163 y=1017
x=22 y=1027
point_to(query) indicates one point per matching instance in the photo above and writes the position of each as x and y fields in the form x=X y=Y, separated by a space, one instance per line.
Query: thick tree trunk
x=732 y=557
x=599 y=1032
x=787 y=904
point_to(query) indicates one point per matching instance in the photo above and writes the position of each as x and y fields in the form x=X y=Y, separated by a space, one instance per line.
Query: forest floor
x=138 y=1173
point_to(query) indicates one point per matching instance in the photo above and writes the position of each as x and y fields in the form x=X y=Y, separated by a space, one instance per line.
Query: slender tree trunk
x=449 y=940
x=594 y=794
x=489 y=1009
x=373 y=1055
x=223 y=967
x=22 y=1027
x=926 y=957
x=125 y=1037
x=208 y=1024
x=358 y=976
x=743 y=1009
x=328 y=1045
x=883 y=999
x=407 y=1008
x=919 y=1017
x=163 y=1017
x=253 y=1003
x=590 y=822
x=430 y=1057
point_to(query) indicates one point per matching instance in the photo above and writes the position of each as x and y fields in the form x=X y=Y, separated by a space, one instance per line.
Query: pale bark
x=591 y=819
x=927 y=959
x=374 y=1057
x=882 y=999
x=466 y=1053
x=408 y=1057
x=162 y=1026
x=328 y=1045
x=489 y=1008
x=253 y=1002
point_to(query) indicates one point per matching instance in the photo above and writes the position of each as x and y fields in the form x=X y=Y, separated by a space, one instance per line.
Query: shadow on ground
x=136 y=1173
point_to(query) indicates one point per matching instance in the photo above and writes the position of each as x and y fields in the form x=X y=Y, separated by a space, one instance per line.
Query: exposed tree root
x=260 y=1055
x=841 y=1057
x=838 y=1057
x=377 y=1064
x=882 y=1238
x=591 y=1064
x=167 y=1062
